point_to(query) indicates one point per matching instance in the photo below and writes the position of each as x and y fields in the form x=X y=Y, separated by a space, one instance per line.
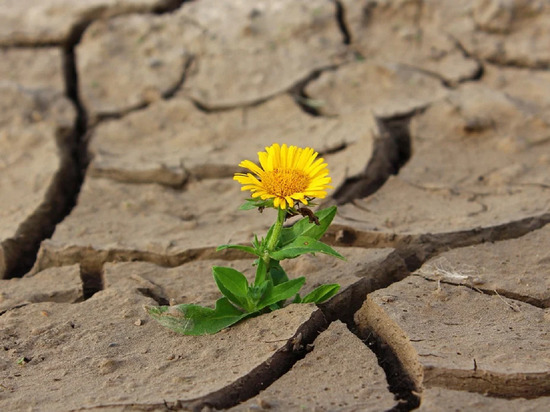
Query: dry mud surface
x=121 y=125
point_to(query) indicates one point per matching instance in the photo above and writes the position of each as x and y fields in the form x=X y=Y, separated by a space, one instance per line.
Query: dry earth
x=121 y=125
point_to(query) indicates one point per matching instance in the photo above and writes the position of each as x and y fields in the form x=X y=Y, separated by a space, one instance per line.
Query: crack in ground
x=296 y=91
x=399 y=382
x=303 y=100
x=92 y=281
x=91 y=15
x=20 y=252
x=392 y=150
x=188 y=61
x=540 y=66
x=512 y=63
x=159 y=298
x=478 y=75
x=428 y=245
x=93 y=260
x=62 y=194
x=169 y=6
x=411 y=252
x=342 y=22
x=538 y=303
x=343 y=307
x=450 y=84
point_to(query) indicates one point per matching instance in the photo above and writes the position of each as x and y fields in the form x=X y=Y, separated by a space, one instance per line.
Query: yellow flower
x=287 y=174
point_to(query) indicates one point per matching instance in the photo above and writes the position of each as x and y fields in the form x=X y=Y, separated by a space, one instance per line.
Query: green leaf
x=278 y=274
x=281 y=292
x=197 y=320
x=256 y=243
x=233 y=285
x=304 y=227
x=302 y=245
x=238 y=247
x=321 y=293
x=268 y=236
x=256 y=203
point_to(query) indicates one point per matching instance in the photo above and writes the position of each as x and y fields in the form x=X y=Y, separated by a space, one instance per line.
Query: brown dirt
x=121 y=126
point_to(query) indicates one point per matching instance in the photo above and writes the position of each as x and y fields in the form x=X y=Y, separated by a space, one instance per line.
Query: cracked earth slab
x=506 y=32
x=149 y=222
x=242 y=53
x=526 y=87
x=35 y=69
x=25 y=22
x=500 y=142
x=97 y=354
x=457 y=338
x=387 y=89
x=390 y=214
x=440 y=400
x=412 y=33
x=517 y=268
x=340 y=373
x=501 y=175
x=122 y=150
x=139 y=44
x=35 y=172
x=51 y=285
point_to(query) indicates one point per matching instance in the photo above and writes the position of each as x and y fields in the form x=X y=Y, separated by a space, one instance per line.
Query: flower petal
x=289 y=201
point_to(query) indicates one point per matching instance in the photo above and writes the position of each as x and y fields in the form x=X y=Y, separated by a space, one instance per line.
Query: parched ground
x=121 y=125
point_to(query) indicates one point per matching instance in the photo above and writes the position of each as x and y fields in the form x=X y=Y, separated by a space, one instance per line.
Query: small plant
x=287 y=179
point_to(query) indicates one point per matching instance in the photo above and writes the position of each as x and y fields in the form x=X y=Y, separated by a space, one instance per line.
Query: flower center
x=285 y=182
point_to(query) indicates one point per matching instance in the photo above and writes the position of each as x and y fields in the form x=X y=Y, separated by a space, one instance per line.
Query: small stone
x=388 y=298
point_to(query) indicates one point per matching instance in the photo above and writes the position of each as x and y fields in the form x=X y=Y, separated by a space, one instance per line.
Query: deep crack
x=160 y=299
x=94 y=259
x=342 y=23
x=298 y=92
x=399 y=382
x=169 y=6
x=392 y=149
x=344 y=305
x=92 y=281
x=21 y=251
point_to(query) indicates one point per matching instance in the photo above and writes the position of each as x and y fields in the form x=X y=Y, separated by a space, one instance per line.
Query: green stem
x=262 y=271
x=276 y=231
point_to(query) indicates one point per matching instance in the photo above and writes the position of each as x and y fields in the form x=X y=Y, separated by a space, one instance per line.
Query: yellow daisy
x=287 y=174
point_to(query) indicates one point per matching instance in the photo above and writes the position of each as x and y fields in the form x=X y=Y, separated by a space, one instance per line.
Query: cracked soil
x=121 y=125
